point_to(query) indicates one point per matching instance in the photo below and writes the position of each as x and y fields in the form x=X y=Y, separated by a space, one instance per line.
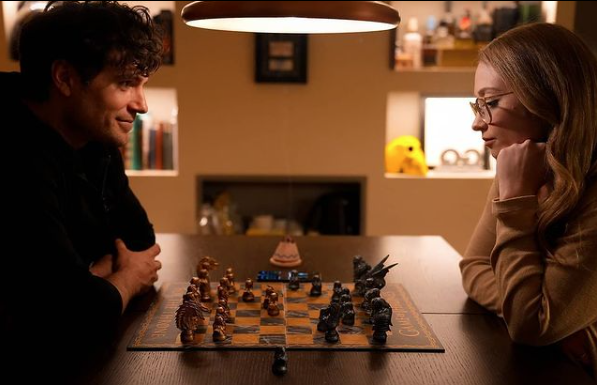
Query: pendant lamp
x=305 y=17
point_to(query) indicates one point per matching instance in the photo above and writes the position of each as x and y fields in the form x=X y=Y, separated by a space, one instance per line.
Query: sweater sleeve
x=545 y=298
x=477 y=275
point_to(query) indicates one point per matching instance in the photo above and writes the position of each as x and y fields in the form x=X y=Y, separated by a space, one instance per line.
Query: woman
x=532 y=258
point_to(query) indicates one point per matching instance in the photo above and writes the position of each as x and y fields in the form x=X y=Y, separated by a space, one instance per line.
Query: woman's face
x=510 y=121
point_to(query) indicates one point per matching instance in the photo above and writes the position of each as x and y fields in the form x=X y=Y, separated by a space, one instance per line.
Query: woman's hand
x=521 y=169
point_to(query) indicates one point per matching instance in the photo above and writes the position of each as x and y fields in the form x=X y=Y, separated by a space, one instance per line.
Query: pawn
x=348 y=314
x=280 y=366
x=268 y=292
x=316 y=286
x=224 y=304
x=293 y=283
x=230 y=276
x=272 y=308
x=248 y=295
x=219 y=326
x=336 y=291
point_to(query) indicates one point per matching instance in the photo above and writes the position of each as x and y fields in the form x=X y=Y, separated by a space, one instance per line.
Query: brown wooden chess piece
x=187 y=317
x=248 y=295
x=204 y=288
x=268 y=292
x=230 y=276
x=219 y=325
x=272 y=308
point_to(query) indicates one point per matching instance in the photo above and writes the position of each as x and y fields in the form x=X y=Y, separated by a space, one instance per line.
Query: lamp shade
x=291 y=16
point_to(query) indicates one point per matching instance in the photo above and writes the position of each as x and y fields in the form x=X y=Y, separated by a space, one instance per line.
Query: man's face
x=104 y=109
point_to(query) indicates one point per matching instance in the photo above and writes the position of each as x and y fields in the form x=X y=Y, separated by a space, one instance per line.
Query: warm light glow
x=303 y=17
x=549 y=9
x=289 y=25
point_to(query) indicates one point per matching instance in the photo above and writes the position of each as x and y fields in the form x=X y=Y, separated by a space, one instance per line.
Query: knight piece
x=378 y=273
x=293 y=282
x=286 y=254
x=187 y=317
x=248 y=295
x=230 y=276
x=315 y=286
x=381 y=315
x=272 y=307
x=280 y=365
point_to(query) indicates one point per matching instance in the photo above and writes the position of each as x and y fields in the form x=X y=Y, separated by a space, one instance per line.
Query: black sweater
x=64 y=209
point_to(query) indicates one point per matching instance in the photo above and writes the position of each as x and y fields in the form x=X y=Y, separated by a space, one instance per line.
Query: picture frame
x=281 y=58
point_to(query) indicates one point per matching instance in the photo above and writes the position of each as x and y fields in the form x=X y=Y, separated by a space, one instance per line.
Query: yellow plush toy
x=404 y=155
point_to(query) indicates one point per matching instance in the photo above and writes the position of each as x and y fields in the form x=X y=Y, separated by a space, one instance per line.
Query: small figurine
x=248 y=295
x=230 y=276
x=286 y=254
x=187 y=317
x=223 y=289
x=272 y=307
x=280 y=366
x=219 y=325
x=315 y=286
x=337 y=289
x=331 y=321
x=204 y=288
x=371 y=293
x=381 y=315
x=268 y=292
x=348 y=314
x=293 y=283
x=377 y=273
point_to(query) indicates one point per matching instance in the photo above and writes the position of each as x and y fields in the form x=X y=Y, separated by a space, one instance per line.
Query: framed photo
x=280 y=58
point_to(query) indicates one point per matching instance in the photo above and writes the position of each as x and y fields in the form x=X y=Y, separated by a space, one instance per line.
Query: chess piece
x=293 y=282
x=323 y=313
x=208 y=263
x=272 y=307
x=268 y=292
x=223 y=289
x=187 y=317
x=381 y=315
x=377 y=273
x=248 y=295
x=348 y=313
x=224 y=304
x=337 y=289
x=286 y=254
x=280 y=366
x=369 y=295
x=219 y=325
x=360 y=267
x=204 y=289
x=230 y=276
x=331 y=322
x=315 y=286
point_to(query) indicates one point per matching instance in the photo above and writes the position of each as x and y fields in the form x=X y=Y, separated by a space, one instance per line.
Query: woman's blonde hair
x=554 y=75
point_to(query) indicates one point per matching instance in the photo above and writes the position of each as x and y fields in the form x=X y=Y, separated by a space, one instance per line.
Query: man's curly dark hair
x=91 y=36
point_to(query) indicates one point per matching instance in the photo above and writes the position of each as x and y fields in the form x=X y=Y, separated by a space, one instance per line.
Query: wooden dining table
x=478 y=349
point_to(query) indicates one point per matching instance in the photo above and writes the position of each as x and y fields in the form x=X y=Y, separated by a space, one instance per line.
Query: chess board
x=250 y=327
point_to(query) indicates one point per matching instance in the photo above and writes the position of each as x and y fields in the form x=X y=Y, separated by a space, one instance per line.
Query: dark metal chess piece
x=248 y=295
x=323 y=313
x=360 y=267
x=371 y=293
x=293 y=283
x=348 y=313
x=381 y=316
x=377 y=273
x=331 y=322
x=315 y=286
x=280 y=366
x=336 y=291
x=345 y=298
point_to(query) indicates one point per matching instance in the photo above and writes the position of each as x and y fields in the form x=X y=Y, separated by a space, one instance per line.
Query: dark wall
x=584 y=22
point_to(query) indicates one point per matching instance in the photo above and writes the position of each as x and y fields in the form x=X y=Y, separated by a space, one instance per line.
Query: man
x=78 y=243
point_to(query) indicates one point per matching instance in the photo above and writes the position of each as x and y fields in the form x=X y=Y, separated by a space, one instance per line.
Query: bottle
x=413 y=42
x=429 y=47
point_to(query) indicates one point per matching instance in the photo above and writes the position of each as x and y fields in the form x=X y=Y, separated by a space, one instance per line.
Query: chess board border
x=404 y=311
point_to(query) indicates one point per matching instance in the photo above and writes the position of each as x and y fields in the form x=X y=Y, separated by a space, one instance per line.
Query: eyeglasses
x=481 y=108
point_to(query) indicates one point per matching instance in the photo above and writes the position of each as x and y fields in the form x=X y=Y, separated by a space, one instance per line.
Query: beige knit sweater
x=541 y=300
